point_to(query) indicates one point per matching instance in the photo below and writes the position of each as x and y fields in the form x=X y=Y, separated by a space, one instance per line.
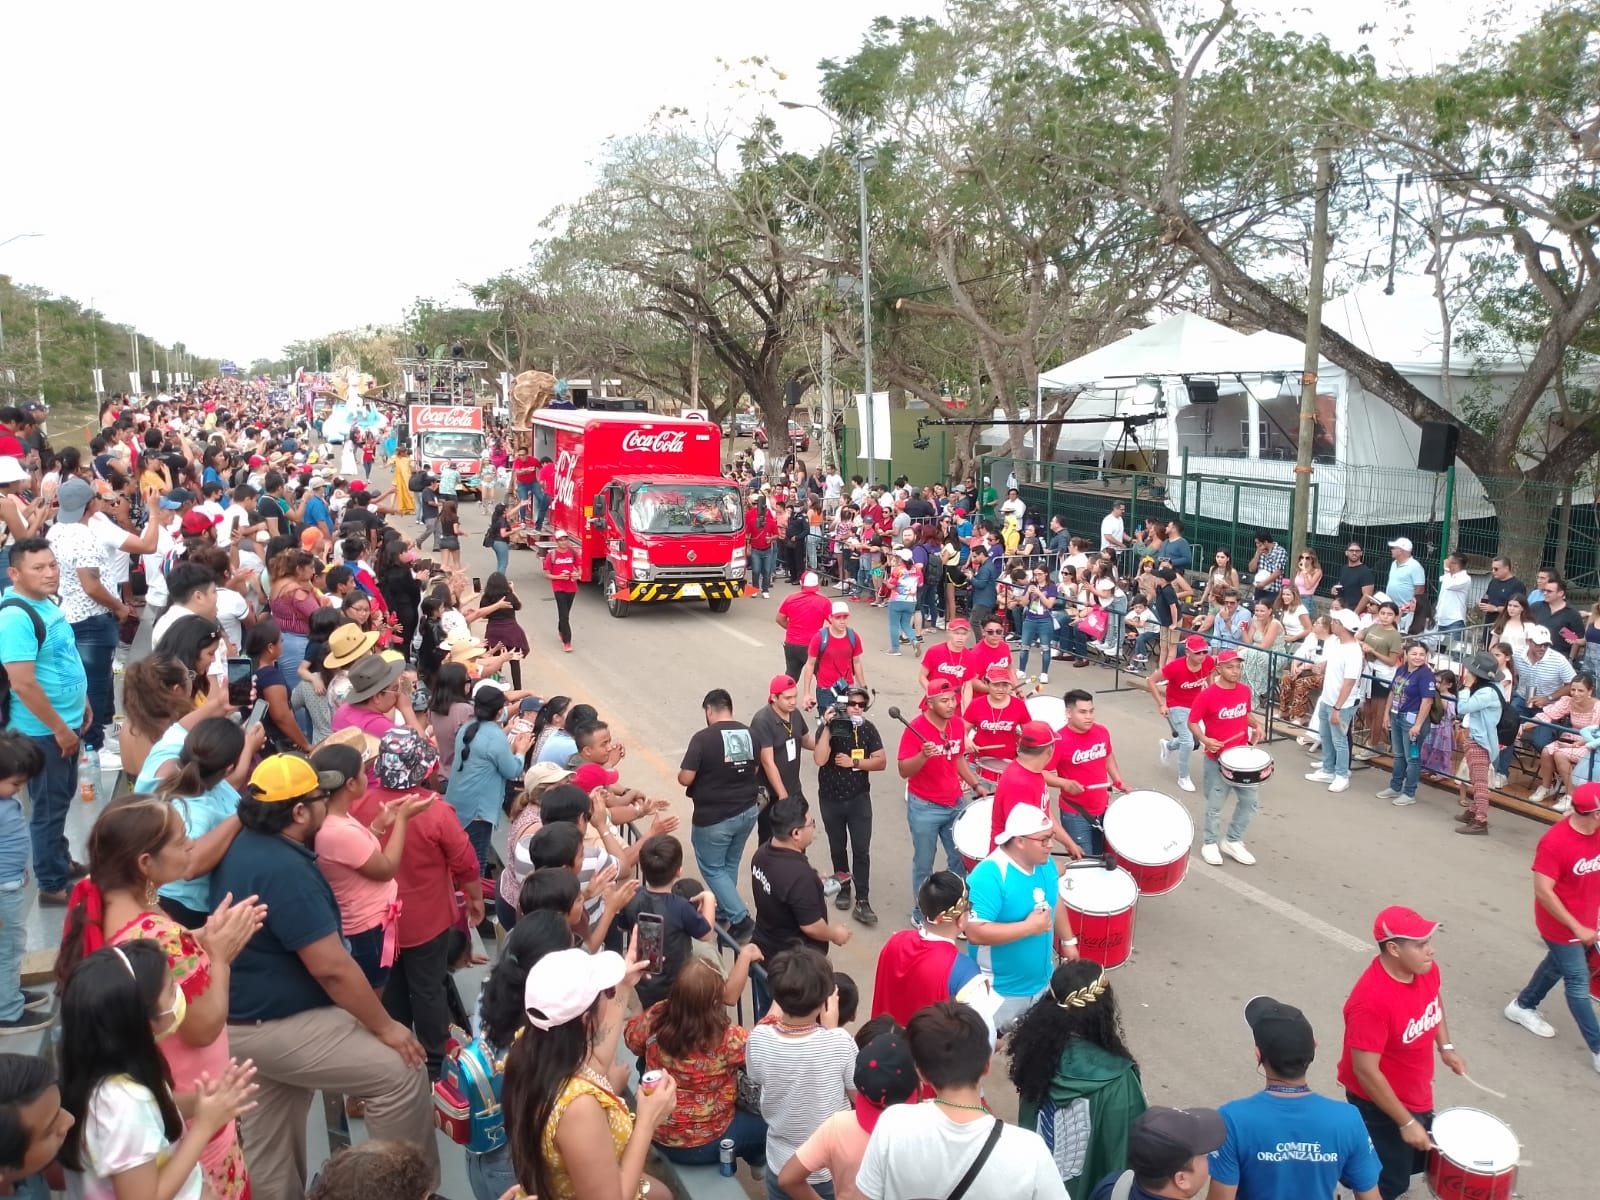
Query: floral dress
x=1559 y=713
x=707 y=1081
x=1439 y=747
x=222 y=1160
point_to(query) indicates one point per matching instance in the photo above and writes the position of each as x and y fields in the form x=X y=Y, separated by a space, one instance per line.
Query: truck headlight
x=737 y=562
x=640 y=563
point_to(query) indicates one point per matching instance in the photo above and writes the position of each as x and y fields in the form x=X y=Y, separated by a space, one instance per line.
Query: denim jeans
x=490 y=1175
x=762 y=564
x=13 y=941
x=1216 y=790
x=292 y=654
x=1082 y=830
x=481 y=835
x=1181 y=743
x=930 y=601
x=1407 y=752
x=97 y=644
x=900 y=614
x=527 y=492
x=719 y=849
x=774 y=1192
x=749 y=1134
x=1565 y=962
x=1146 y=639
x=502 y=555
x=1072 y=640
x=51 y=792
x=1036 y=631
x=930 y=824
x=1335 y=742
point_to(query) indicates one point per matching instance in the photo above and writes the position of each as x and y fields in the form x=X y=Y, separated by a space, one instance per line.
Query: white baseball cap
x=1023 y=821
x=1538 y=635
x=562 y=986
x=1401 y=544
x=1346 y=618
x=840 y=609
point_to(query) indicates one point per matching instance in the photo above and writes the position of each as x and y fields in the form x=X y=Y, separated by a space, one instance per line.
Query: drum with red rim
x=990 y=768
x=1474 y=1156
x=971 y=832
x=1149 y=834
x=1245 y=764
x=1100 y=905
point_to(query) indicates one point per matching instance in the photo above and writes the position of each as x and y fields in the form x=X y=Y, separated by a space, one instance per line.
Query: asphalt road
x=1295 y=926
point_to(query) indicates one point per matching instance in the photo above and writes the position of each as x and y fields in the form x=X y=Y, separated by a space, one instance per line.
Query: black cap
x=1283 y=1035
x=884 y=1071
x=181 y=495
x=1163 y=1141
x=342 y=761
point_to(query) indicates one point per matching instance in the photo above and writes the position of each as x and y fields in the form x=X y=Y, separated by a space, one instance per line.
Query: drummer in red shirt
x=801 y=617
x=932 y=760
x=1175 y=688
x=1220 y=717
x=995 y=717
x=953 y=659
x=1023 y=782
x=991 y=649
x=1566 y=908
x=1393 y=1019
x=1085 y=771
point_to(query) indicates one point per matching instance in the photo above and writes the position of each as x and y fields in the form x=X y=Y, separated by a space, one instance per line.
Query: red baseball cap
x=998 y=672
x=1035 y=735
x=959 y=623
x=358 y=485
x=1398 y=921
x=1195 y=644
x=779 y=685
x=593 y=775
x=195 y=521
x=1228 y=656
x=939 y=686
x=1586 y=798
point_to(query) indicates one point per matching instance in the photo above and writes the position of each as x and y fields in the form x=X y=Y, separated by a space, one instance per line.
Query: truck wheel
x=721 y=605
x=618 y=607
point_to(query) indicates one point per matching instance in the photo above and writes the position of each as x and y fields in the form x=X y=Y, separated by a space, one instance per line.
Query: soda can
x=648 y=1081
x=830 y=886
x=725 y=1156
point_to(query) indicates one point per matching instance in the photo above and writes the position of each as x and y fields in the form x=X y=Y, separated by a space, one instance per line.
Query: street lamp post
x=865 y=161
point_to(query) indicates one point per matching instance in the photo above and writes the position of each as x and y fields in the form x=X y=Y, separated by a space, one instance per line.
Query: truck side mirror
x=599 y=500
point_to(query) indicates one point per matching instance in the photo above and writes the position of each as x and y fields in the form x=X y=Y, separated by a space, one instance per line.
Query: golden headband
x=1084 y=996
x=955 y=911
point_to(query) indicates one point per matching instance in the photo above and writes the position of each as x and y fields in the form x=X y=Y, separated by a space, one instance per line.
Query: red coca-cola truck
x=449 y=434
x=647 y=501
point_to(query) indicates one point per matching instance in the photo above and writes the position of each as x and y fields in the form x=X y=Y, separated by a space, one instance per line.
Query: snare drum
x=990 y=768
x=1474 y=1156
x=1100 y=906
x=1149 y=834
x=971 y=832
x=1245 y=765
x=1052 y=710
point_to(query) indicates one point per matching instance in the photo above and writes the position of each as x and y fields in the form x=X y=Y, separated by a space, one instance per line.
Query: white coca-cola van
x=449 y=433
x=646 y=498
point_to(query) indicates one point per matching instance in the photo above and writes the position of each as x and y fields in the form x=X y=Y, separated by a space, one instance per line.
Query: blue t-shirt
x=1002 y=892
x=1410 y=690
x=558 y=748
x=56 y=664
x=269 y=982
x=1291 y=1147
x=316 y=512
x=166 y=749
x=201 y=814
x=1405 y=579
x=14 y=840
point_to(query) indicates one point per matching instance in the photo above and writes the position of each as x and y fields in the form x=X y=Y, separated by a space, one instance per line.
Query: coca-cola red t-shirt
x=983 y=656
x=1183 y=685
x=836 y=660
x=941 y=660
x=558 y=561
x=1083 y=758
x=1573 y=861
x=1017 y=785
x=937 y=781
x=1224 y=713
x=806 y=612
x=994 y=730
x=547 y=477
x=526 y=467
x=1395 y=1021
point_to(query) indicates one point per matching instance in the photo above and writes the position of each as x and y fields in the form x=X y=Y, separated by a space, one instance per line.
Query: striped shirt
x=804 y=1081
x=1541 y=678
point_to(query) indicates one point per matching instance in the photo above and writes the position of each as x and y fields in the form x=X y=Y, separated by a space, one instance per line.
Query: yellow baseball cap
x=282 y=777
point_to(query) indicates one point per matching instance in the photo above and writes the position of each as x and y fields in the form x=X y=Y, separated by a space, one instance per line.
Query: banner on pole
x=133 y=382
x=99 y=382
x=879 y=442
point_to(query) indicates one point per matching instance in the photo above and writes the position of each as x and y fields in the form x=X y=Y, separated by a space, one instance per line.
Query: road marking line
x=1284 y=909
x=734 y=633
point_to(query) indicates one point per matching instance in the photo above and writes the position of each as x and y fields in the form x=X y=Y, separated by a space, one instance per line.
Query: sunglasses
x=994 y=629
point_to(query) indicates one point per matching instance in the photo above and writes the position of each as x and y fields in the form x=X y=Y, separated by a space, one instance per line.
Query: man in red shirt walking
x=833 y=661
x=561 y=565
x=525 y=470
x=1085 y=770
x=952 y=659
x=1566 y=908
x=1175 y=688
x=801 y=617
x=932 y=760
x=1221 y=717
x=1393 y=1019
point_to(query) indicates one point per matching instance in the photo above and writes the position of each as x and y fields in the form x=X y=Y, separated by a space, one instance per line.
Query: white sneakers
x=1403 y=801
x=1341 y=783
x=1496 y=780
x=1211 y=854
x=1044 y=678
x=1387 y=793
x=1530 y=1020
x=1321 y=776
x=1166 y=752
x=1237 y=852
x=1540 y=794
x=1563 y=805
x=1186 y=785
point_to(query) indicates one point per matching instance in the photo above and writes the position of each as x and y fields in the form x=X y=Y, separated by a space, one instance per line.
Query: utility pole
x=865 y=161
x=94 y=334
x=830 y=450
x=1308 y=376
x=38 y=350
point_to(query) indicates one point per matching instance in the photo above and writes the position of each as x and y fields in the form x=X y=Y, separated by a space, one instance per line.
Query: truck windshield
x=675 y=509
x=451 y=443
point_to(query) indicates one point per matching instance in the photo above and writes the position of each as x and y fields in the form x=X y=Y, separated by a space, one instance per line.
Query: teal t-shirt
x=56 y=664
x=1002 y=892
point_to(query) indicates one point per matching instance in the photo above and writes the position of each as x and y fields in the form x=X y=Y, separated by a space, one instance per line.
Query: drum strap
x=1094 y=822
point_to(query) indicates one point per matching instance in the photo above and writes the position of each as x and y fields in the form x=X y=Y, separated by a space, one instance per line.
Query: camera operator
x=848 y=747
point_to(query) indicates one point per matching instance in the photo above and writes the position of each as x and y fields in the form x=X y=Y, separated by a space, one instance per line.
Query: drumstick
x=895 y=713
x=1481 y=1088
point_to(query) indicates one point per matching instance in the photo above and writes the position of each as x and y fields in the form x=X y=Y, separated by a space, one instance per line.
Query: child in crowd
x=1438 y=748
x=1144 y=630
x=20 y=761
x=683 y=921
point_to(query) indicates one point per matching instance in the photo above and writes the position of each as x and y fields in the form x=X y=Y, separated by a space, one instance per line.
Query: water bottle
x=725 y=1156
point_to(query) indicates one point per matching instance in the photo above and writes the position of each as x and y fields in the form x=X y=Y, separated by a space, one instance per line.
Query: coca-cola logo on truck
x=566 y=470
x=668 y=441
x=426 y=417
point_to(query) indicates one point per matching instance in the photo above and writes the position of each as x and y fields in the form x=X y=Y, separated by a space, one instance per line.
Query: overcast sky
x=237 y=177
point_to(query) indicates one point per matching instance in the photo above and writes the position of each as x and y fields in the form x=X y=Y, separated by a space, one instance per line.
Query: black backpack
x=5 y=679
x=418 y=480
x=1506 y=727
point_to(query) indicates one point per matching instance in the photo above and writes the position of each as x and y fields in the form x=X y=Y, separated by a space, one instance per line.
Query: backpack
x=466 y=1100
x=5 y=680
x=418 y=480
x=1505 y=729
x=850 y=636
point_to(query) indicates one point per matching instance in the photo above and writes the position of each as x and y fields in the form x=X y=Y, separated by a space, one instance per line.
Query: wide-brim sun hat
x=370 y=675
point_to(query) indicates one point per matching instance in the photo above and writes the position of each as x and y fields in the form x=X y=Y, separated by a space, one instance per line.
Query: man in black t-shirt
x=791 y=909
x=1503 y=585
x=780 y=734
x=720 y=773
x=844 y=796
x=1356 y=583
x=1565 y=623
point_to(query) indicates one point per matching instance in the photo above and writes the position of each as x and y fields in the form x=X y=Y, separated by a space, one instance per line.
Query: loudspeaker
x=1437 y=450
x=1202 y=391
x=791 y=394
